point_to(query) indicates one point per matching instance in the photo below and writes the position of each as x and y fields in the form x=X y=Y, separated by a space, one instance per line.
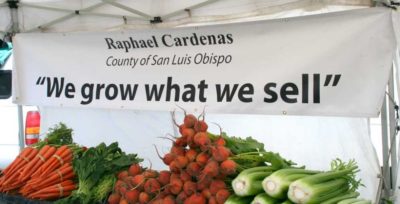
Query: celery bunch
x=327 y=185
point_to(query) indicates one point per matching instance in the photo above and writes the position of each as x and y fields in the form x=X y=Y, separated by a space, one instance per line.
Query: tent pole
x=378 y=197
x=129 y=9
x=13 y=5
x=14 y=16
x=392 y=131
x=21 y=128
x=385 y=150
x=80 y=12
x=176 y=13
x=66 y=17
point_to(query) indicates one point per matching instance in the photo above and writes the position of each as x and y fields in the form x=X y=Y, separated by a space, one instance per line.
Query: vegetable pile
x=201 y=167
x=43 y=171
x=57 y=168
x=260 y=185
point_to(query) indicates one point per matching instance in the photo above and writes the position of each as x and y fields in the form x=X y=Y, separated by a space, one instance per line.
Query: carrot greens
x=96 y=165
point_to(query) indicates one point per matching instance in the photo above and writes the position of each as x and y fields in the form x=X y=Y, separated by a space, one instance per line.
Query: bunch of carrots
x=43 y=174
x=198 y=171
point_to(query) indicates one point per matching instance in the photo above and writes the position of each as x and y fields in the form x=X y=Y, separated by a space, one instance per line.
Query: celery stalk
x=324 y=186
x=345 y=196
x=246 y=184
x=264 y=198
x=287 y=202
x=234 y=199
x=354 y=201
x=277 y=184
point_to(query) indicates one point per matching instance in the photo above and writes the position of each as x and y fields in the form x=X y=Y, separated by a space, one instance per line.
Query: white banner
x=331 y=64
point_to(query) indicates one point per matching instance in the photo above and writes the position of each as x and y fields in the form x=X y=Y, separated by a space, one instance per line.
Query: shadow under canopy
x=5 y=84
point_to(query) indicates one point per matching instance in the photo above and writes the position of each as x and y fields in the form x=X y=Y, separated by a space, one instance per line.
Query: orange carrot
x=60 y=188
x=51 y=196
x=30 y=165
x=55 y=174
x=11 y=179
x=45 y=153
x=13 y=173
x=52 y=161
x=12 y=186
x=46 y=156
x=58 y=162
x=66 y=172
x=19 y=160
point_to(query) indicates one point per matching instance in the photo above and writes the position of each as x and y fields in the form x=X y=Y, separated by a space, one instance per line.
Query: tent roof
x=94 y=15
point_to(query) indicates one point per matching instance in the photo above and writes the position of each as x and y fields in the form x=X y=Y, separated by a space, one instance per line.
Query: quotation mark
x=40 y=80
x=336 y=79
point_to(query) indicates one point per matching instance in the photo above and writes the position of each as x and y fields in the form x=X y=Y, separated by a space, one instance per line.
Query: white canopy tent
x=295 y=137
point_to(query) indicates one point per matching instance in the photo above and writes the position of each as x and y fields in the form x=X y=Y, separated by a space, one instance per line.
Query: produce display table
x=14 y=199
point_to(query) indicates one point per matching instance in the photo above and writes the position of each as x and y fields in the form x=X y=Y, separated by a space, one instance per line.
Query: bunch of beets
x=199 y=168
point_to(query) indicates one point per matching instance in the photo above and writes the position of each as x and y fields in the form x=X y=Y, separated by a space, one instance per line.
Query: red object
x=32 y=127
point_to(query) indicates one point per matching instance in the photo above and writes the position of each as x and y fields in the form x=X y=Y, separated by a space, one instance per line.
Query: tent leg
x=385 y=150
x=21 y=128
x=389 y=146
x=392 y=132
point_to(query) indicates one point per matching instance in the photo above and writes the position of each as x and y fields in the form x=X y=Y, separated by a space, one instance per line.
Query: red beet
x=202 y=158
x=185 y=176
x=206 y=193
x=220 y=141
x=212 y=200
x=135 y=169
x=197 y=198
x=191 y=155
x=201 y=139
x=122 y=175
x=149 y=173
x=114 y=198
x=181 y=197
x=222 y=195
x=152 y=186
x=167 y=159
x=168 y=200
x=176 y=186
x=178 y=150
x=181 y=162
x=132 y=196
x=220 y=153
x=189 y=120
x=217 y=185
x=228 y=167
x=174 y=167
x=200 y=126
x=189 y=187
x=164 y=177
x=138 y=181
x=211 y=169
x=144 y=198
x=193 y=169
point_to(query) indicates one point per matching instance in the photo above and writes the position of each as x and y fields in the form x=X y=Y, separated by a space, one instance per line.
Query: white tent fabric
x=60 y=16
x=312 y=141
